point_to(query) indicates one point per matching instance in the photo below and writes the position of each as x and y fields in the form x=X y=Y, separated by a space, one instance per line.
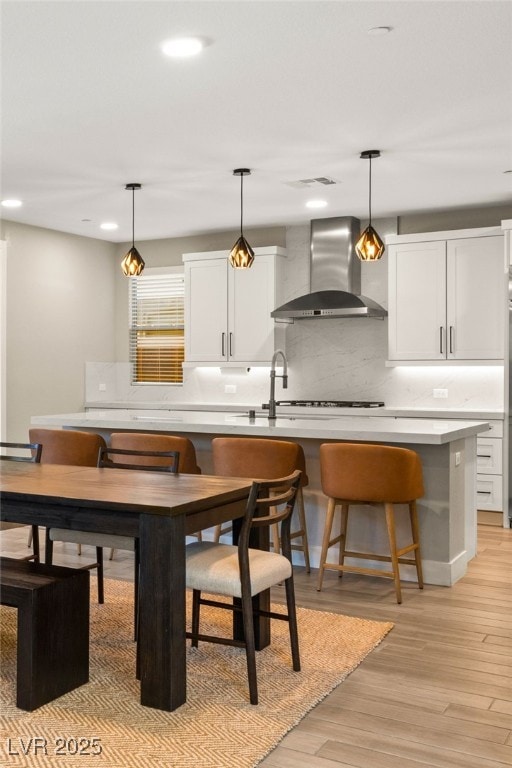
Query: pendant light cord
x=370 y=194
x=241 y=205
x=133 y=218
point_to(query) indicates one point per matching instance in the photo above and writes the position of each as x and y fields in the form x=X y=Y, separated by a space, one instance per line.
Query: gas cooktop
x=332 y=403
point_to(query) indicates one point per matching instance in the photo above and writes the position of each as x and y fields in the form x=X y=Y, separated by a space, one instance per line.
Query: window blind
x=157 y=343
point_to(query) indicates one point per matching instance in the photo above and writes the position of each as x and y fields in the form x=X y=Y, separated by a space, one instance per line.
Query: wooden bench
x=53 y=628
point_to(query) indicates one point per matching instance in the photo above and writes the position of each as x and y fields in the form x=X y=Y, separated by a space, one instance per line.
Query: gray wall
x=60 y=314
x=462 y=218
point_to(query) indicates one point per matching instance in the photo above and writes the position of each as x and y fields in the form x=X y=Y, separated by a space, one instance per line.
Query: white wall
x=60 y=313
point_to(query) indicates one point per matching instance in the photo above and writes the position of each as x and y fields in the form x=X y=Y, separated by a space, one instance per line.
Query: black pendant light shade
x=133 y=263
x=241 y=255
x=370 y=247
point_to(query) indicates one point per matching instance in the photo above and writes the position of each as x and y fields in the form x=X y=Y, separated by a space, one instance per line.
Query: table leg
x=162 y=650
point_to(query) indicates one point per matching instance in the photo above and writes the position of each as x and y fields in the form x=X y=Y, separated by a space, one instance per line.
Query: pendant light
x=241 y=255
x=133 y=263
x=369 y=247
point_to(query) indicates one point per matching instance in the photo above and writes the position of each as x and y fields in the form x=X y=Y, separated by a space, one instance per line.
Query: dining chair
x=30 y=452
x=241 y=572
x=116 y=458
x=264 y=459
x=379 y=477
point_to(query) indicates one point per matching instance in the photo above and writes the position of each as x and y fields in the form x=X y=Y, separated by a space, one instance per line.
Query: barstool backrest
x=259 y=458
x=140 y=441
x=362 y=472
x=68 y=446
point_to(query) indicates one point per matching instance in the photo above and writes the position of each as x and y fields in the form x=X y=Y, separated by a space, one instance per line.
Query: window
x=157 y=344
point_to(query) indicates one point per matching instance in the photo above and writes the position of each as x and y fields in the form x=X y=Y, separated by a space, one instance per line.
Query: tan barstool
x=357 y=473
x=68 y=446
x=263 y=459
x=72 y=447
x=142 y=441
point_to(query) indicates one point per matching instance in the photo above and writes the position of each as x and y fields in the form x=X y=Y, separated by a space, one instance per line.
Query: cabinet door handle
x=451 y=339
x=223 y=336
x=484 y=456
x=230 y=344
x=485 y=493
x=441 y=339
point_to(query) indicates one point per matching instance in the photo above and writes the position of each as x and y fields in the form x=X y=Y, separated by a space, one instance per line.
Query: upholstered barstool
x=68 y=446
x=264 y=459
x=142 y=441
x=375 y=475
x=76 y=448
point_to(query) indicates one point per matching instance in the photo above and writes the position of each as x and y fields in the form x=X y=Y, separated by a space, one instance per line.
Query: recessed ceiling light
x=11 y=203
x=182 y=47
x=379 y=30
x=316 y=204
x=109 y=225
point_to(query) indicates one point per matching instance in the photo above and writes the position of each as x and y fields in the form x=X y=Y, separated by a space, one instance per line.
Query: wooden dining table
x=160 y=509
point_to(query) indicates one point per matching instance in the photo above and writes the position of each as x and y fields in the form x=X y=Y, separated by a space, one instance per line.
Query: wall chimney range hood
x=335 y=275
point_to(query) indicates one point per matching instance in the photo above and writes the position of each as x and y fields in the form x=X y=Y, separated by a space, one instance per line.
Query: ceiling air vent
x=307 y=183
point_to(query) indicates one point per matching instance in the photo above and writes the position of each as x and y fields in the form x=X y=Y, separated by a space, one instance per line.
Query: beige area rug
x=216 y=728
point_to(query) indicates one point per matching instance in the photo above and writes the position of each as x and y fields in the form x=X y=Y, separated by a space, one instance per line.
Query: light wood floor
x=437 y=693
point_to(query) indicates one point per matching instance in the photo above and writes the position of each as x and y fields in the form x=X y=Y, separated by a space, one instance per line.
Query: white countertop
x=368 y=428
x=396 y=411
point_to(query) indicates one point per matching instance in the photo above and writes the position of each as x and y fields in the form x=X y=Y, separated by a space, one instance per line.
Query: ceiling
x=292 y=90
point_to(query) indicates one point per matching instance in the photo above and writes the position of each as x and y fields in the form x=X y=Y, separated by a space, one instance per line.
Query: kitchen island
x=447 y=449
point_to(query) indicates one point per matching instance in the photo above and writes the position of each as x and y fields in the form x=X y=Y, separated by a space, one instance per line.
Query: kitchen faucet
x=273 y=376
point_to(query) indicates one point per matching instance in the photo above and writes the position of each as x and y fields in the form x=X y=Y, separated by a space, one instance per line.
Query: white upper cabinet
x=475 y=306
x=227 y=311
x=417 y=301
x=447 y=296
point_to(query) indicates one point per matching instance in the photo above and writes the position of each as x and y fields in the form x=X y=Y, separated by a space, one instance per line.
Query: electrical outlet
x=440 y=392
x=102 y=387
x=230 y=389
x=457 y=458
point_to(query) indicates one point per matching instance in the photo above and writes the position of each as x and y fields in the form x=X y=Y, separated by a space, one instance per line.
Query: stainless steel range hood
x=335 y=275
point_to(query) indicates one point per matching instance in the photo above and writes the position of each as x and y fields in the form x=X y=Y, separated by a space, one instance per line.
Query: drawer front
x=489 y=452
x=489 y=492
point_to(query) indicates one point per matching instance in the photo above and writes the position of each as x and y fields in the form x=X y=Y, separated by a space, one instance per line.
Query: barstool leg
x=331 y=506
x=390 y=522
x=303 y=532
x=343 y=535
x=416 y=540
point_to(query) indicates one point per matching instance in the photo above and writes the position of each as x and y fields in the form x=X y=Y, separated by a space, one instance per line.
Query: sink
x=305 y=417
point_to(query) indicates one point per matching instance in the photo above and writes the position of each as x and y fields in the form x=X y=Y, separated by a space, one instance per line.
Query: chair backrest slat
x=35 y=452
x=260 y=500
x=172 y=459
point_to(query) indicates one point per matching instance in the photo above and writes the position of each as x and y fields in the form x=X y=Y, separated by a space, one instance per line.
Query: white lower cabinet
x=489 y=492
x=490 y=470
